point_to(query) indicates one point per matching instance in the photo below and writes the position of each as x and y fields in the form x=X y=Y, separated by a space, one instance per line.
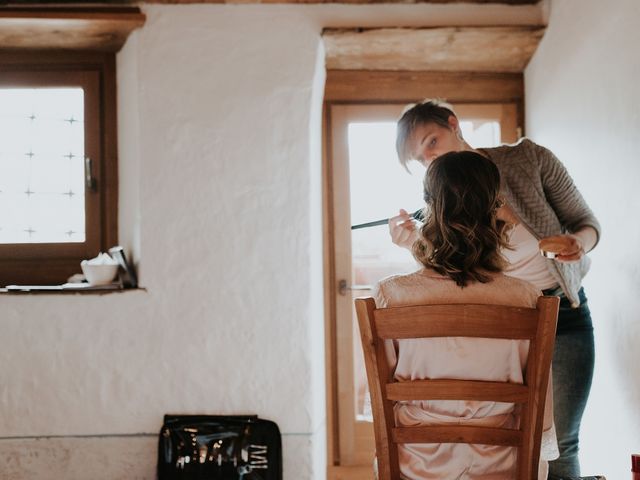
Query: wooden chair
x=538 y=325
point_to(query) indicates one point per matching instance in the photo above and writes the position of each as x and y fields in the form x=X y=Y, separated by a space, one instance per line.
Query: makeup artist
x=545 y=208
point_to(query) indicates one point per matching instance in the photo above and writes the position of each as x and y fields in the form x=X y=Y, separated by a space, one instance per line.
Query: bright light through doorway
x=379 y=186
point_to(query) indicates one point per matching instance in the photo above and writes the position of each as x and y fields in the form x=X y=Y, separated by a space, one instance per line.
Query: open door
x=367 y=183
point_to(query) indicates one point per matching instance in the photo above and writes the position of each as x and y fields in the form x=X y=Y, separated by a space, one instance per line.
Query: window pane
x=42 y=165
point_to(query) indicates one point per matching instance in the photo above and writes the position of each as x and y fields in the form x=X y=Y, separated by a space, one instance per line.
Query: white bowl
x=99 y=274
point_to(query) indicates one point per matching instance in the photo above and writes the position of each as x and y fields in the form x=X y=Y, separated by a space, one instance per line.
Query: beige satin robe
x=460 y=358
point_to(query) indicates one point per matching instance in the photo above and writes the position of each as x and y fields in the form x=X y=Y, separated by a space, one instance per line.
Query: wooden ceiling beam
x=356 y=2
x=439 y=49
x=68 y=28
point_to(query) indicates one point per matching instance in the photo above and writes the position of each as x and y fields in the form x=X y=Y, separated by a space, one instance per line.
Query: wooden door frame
x=380 y=87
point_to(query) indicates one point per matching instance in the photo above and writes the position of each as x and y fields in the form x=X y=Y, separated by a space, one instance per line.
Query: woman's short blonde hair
x=415 y=114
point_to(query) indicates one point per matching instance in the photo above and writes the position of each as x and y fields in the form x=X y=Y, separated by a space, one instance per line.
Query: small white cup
x=97 y=274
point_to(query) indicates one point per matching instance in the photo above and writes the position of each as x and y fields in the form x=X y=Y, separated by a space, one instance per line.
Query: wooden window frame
x=51 y=263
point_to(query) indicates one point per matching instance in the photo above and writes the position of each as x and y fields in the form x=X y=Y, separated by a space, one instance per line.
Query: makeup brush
x=417 y=215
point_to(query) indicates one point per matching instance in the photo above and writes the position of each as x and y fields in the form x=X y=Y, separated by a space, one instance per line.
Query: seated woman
x=460 y=247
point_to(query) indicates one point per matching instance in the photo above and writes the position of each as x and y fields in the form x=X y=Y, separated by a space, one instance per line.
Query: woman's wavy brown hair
x=461 y=236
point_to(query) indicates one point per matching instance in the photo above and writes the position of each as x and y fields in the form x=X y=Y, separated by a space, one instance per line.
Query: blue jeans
x=573 y=360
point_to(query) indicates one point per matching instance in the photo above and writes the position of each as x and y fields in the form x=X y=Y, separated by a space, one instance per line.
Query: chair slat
x=457 y=390
x=457 y=434
x=485 y=321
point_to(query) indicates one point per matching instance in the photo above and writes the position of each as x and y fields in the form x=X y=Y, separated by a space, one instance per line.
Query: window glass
x=42 y=165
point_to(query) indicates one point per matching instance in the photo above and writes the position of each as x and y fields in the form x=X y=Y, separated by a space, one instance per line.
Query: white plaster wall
x=583 y=102
x=220 y=206
x=129 y=148
x=220 y=203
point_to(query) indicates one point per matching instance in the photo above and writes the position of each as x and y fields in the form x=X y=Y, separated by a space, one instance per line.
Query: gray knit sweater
x=542 y=194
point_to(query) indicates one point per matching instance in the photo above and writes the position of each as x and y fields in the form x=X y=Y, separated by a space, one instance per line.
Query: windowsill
x=58 y=289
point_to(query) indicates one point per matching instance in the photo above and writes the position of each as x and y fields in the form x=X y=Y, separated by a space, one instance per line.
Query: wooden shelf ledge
x=58 y=290
x=61 y=28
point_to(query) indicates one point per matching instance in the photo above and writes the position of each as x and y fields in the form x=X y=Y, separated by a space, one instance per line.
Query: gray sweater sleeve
x=562 y=194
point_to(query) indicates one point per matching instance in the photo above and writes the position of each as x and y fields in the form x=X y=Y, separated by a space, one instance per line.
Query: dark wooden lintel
x=40 y=27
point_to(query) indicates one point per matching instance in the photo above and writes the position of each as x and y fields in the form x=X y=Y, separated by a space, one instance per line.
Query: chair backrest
x=538 y=325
